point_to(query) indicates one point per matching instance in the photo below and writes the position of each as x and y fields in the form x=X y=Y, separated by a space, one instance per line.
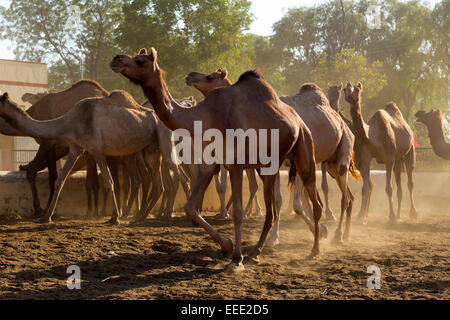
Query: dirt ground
x=162 y=260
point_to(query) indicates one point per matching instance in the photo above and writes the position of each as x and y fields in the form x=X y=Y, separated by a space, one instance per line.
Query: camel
x=388 y=138
x=205 y=83
x=104 y=127
x=47 y=107
x=435 y=126
x=250 y=103
x=333 y=141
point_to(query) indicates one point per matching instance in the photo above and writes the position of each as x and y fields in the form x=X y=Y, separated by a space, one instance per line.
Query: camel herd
x=110 y=130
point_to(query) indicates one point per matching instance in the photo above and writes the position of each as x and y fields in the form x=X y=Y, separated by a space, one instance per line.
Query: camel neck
x=335 y=105
x=358 y=122
x=437 y=140
x=49 y=129
x=167 y=108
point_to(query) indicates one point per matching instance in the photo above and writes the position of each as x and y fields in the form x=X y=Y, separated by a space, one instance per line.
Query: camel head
x=334 y=92
x=207 y=82
x=353 y=93
x=32 y=98
x=430 y=118
x=9 y=107
x=141 y=69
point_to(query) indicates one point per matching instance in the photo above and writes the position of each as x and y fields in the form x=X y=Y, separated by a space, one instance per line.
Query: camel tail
x=353 y=171
x=302 y=158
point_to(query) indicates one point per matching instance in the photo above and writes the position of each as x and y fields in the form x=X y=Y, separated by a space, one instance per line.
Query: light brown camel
x=51 y=106
x=435 y=125
x=388 y=138
x=333 y=140
x=112 y=126
x=48 y=106
x=205 y=83
x=249 y=104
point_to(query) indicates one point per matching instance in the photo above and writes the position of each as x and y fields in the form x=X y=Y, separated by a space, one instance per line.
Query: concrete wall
x=432 y=192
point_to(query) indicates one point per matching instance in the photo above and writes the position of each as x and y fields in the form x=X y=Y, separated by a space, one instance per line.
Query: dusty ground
x=159 y=260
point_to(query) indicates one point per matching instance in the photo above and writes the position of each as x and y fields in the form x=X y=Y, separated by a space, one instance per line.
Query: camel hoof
x=346 y=237
x=271 y=242
x=223 y=215
x=113 y=221
x=252 y=260
x=323 y=231
x=44 y=220
x=413 y=215
x=227 y=247
x=234 y=267
x=329 y=216
x=314 y=254
x=338 y=240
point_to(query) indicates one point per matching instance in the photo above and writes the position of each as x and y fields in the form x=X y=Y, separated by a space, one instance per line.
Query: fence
x=426 y=160
x=23 y=156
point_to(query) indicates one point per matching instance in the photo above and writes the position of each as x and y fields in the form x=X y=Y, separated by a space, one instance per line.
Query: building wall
x=17 y=78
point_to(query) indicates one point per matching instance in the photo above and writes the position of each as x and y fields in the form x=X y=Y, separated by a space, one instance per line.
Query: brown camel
x=333 y=141
x=435 y=125
x=205 y=83
x=388 y=138
x=112 y=126
x=251 y=103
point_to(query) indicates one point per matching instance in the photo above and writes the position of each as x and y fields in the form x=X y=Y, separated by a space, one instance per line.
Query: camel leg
x=74 y=154
x=328 y=213
x=351 y=198
x=38 y=163
x=221 y=188
x=126 y=184
x=92 y=186
x=148 y=165
x=398 y=182
x=105 y=201
x=52 y=173
x=366 y=191
x=410 y=163
x=153 y=164
x=171 y=197
x=253 y=188
x=271 y=186
x=113 y=164
x=130 y=164
x=205 y=175
x=342 y=181
x=166 y=178
x=389 y=168
x=108 y=182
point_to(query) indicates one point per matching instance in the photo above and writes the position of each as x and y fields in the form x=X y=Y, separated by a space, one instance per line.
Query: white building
x=17 y=78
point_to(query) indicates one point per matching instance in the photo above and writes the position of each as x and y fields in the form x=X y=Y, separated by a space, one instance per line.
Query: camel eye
x=140 y=61
x=209 y=78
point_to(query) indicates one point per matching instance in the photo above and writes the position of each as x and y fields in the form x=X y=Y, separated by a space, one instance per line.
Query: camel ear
x=359 y=86
x=341 y=86
x=4 y=97
x=191 y=98
x=224 y=73
x=143 y=51
x=153 y=54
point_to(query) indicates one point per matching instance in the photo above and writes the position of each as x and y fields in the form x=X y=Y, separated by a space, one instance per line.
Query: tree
x=190 y=35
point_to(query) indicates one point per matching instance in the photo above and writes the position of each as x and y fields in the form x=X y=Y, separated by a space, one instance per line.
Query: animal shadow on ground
x=118 y=273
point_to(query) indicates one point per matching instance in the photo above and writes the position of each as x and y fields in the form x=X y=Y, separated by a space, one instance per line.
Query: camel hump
x=251 y=74
x=393 y=110
x=89 y=82
x=309 y=87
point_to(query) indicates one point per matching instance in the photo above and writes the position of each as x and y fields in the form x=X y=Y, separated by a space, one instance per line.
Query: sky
x=266 y=13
